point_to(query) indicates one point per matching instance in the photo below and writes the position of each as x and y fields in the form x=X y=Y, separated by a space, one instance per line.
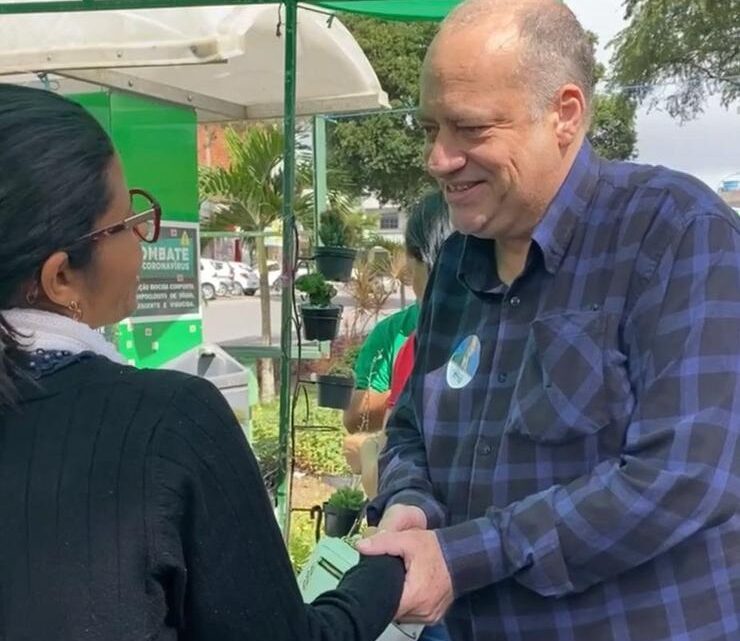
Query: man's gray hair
x=556 y=49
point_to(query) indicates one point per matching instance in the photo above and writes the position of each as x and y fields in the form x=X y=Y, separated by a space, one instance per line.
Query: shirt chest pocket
x=559 y=393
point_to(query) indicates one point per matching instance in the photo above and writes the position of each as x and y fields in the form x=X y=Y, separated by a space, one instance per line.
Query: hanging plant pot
x=320 y=323
x=335 y=263
x=339 y=521
x=335 y=391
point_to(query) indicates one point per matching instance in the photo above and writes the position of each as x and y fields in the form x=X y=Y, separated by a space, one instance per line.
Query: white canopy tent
x=226 y=62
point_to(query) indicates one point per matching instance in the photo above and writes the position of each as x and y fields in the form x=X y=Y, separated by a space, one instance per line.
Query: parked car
x=246 y=279
x=274 y=274
x=212 y=281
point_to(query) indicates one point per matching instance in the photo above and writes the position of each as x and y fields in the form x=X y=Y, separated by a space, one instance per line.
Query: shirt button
x=502 y=377
x=485 y=449
x=514 y=301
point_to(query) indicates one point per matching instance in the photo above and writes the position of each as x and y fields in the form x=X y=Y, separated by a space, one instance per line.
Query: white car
x=212 y=281
x=274 y=274
x=246 y=279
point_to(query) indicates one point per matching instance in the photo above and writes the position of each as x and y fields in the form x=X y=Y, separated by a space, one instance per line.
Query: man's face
x=492 y=155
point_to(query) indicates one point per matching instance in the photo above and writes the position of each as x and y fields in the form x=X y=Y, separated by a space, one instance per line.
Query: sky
x=707 y=147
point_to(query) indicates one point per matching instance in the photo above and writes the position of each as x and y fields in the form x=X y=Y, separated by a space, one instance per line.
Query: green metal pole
x=286 y=333
x=320 y=188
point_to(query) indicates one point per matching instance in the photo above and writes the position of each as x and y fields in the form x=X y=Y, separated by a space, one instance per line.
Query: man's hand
x=399 y=518
x=427 y=592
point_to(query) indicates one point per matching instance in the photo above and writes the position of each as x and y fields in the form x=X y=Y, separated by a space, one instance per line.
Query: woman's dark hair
x=427 y=229
x=54 y=159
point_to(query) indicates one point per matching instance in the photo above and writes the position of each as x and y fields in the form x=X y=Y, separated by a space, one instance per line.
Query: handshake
x=427 y=592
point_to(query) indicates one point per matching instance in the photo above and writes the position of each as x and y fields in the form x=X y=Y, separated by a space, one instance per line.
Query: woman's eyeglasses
x=144 y=221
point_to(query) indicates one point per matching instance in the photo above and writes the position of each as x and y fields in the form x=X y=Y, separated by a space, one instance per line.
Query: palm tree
x=250 y=194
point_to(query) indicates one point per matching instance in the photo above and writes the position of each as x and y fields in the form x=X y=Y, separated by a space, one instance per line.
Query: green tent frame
x=407 y=10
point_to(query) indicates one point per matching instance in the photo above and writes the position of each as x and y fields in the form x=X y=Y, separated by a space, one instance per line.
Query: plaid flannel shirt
x=584 y=483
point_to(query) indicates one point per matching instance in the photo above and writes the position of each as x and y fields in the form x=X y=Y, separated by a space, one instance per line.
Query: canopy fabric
x=389 y=9
x=227 y=62
x=394 y=9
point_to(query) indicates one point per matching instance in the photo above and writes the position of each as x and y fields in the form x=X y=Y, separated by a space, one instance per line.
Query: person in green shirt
x=374 y=365
x=373 y=370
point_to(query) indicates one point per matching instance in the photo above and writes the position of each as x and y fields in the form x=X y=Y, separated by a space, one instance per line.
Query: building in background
x=729 y=191
x=391 y=219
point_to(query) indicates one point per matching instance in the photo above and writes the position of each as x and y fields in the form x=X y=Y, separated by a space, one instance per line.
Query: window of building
x=389 y=221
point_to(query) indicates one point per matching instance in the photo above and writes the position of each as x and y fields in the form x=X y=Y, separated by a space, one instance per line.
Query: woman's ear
x=60 y=283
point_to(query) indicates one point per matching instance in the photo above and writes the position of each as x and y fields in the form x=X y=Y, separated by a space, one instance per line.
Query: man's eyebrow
x=459 y=116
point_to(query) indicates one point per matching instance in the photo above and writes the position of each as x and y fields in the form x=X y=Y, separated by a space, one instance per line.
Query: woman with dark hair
x=427 y=228
x=131 y=507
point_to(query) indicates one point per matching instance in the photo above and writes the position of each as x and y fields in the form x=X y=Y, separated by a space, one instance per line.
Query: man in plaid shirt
x=563 y=464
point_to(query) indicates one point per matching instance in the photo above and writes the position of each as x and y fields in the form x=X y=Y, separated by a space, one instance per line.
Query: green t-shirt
x=375 y=361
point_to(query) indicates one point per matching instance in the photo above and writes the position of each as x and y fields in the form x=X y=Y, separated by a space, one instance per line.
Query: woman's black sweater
x=131 y=508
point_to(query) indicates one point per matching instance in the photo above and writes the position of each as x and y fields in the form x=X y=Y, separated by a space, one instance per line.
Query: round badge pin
x=464 y=362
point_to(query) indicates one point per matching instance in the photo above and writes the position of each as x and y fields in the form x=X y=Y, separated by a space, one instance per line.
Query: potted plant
x=335 y=257
x=320 y=316
x=336 y=384
x=342 y=510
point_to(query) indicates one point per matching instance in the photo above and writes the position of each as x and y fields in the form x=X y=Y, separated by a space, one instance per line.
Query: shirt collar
x=477 y=268
x=477 y=265
x=554 y=232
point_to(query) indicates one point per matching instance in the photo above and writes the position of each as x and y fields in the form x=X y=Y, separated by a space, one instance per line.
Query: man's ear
x=571 y=114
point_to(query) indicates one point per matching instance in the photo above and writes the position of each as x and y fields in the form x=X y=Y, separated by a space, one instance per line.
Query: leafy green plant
x=350 y=354
x=340 y=368
x=344 y=363
x=349 y=498
x=369 y=290
x=340 y=230
x=319 y=292
x=316 y=451
x=302 y=540
x=267 y=452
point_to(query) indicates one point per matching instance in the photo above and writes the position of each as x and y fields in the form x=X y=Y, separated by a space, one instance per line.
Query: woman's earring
x=32 y=295
x=76 y=310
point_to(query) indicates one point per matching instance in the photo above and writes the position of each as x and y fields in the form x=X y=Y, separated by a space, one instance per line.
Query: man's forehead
x=497 y=31
x=438 y=111
x=478 y=71
x=472 y=54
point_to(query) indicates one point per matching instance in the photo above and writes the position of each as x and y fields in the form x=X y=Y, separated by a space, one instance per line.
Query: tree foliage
x=612 y=132
x=678 y=53
x=249 y=192
x=382 y=153
x=250 y=189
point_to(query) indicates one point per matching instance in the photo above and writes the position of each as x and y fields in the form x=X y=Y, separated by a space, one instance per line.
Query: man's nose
x=444 y=156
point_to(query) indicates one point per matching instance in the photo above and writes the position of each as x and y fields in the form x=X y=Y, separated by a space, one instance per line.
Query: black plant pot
x=338 y=521
x=335 y=391
x=335 y=263
x=320 y=323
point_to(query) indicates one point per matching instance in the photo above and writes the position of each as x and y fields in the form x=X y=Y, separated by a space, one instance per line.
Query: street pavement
x=238 y=318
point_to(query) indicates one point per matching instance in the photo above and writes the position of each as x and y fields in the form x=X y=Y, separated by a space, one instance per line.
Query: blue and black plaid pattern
x=585 y=483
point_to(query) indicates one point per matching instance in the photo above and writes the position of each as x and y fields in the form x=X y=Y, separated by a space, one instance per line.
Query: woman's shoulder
x=98 y=373
x=176 y=403
x=98 y=366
